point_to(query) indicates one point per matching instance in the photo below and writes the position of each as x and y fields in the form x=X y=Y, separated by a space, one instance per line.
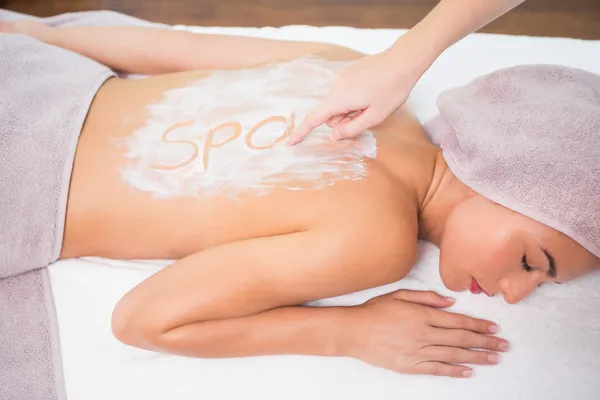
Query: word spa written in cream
x=226 y=134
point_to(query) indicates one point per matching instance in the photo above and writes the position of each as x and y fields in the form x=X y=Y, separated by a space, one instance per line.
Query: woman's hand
x=34 y=29
x=364 y=93
x=404 y=332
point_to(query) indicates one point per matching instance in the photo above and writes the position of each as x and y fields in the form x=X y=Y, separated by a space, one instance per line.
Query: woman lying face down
x=525 y=138
x=191 y=164
x=490 y=249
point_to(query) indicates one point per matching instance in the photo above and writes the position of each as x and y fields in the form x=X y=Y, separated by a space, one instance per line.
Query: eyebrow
x=552 y=269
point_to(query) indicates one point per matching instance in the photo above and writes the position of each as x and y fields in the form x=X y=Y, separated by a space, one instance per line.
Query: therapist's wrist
x=412 y=55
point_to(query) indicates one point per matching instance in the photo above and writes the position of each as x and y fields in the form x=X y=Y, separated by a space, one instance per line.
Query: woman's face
x=490 y=248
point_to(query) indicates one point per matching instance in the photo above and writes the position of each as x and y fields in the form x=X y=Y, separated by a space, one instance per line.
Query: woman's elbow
x=134 y=328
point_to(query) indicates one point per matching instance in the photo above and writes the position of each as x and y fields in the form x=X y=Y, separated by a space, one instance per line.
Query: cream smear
x=226 y=134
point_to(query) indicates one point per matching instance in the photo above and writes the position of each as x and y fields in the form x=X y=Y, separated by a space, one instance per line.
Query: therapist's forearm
x=447 y=23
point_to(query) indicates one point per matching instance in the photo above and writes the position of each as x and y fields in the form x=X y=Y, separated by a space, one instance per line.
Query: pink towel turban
x=528 y=138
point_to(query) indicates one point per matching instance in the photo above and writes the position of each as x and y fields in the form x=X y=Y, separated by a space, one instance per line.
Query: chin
x=448 y=281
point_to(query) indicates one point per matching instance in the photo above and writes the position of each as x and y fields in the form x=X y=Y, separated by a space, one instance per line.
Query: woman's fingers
x=34 y=29
x=442 y=369
x=426 y=298
x=6 y=27
x=459 y=330
x=458 y=321
x=455 y=355
x=467 y=340
x=443 y=360
x=395 y=331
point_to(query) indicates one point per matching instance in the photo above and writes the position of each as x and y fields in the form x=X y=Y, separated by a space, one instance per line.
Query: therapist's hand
x=362 y=95
x=367 y=91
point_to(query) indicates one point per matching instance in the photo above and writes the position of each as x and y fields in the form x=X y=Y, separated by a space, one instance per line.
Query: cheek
x=459 y=253
x=451 y=262
x=470 y=248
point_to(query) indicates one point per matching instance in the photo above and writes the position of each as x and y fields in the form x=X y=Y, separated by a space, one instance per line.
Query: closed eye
x=524 y=264
x=528 y=267
x=557 y=283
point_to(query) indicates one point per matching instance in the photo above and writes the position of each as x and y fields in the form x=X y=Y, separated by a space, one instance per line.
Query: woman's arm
x=143 y=50
x=216 y=303
x=240 y=299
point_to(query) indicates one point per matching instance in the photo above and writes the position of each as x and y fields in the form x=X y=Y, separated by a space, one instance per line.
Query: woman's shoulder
x=377 y=221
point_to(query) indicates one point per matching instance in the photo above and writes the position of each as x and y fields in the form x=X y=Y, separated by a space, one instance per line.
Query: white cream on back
x=226 y=134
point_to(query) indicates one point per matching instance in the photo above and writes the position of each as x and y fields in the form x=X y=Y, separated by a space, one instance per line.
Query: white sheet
x=555 y=334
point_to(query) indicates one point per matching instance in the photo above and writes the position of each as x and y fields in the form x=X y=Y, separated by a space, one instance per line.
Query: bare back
x=108 y=217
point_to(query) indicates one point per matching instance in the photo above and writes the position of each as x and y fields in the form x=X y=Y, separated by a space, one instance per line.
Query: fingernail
x=504 y=346
x=450 y=299
x=467 y=374
x=494 y=328
x=494 y=358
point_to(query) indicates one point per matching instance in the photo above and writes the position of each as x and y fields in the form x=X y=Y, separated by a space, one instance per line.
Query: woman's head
x=505 y=252
x=526 y=139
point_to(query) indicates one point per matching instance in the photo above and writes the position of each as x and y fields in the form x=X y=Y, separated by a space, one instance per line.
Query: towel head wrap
x=528 y=138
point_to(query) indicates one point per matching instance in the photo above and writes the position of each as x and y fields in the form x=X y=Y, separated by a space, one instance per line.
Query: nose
x=515 y=290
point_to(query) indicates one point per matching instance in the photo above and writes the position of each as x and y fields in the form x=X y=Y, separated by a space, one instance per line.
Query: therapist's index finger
x=314 y=119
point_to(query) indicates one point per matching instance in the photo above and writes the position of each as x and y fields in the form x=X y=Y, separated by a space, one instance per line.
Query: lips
x=476 y=289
